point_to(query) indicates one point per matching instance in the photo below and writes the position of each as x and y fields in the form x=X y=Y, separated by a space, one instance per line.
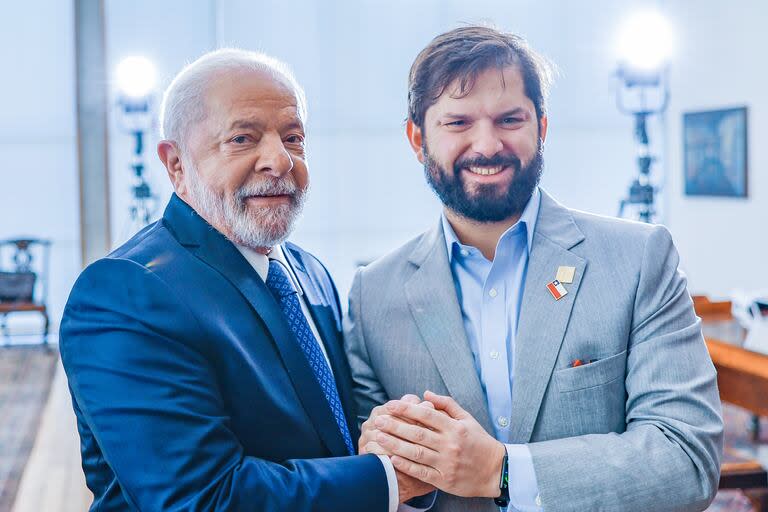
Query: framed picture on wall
x=715 y=152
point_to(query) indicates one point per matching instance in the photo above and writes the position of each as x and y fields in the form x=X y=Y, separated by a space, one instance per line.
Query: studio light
x=645 y=41
x=135 y=81
x=135 y=77
x=645 y=44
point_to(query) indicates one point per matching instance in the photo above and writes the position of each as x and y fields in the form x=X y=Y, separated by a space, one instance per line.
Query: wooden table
x=742 y=378
x=742 y=375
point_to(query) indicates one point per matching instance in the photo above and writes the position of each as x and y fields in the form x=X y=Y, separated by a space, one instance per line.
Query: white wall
x=720 y=63
x=368 y=193
x=38 y=138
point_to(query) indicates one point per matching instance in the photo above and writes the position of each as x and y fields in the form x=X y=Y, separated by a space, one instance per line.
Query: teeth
x=485 y=171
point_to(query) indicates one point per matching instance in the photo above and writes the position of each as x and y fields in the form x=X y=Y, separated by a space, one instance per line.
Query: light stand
x=136 y=82
x=143 y=201
x=645 y=44
x=642 y=94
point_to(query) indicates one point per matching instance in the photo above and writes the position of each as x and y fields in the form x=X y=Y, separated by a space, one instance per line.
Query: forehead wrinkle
x=287 y=116
x=246 y=123
x=272 y=88
x=463 y=87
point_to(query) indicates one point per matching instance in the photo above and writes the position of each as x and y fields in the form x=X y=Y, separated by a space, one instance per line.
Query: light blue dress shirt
x=490 y=294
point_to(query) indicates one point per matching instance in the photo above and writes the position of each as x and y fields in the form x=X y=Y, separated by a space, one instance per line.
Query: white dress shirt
x=260 y=263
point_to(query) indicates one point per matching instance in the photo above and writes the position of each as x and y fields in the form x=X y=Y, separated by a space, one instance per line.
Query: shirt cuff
x=394 y=492
x=523 y=486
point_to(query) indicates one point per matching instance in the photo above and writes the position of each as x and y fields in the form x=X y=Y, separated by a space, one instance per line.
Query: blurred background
x=660 y=104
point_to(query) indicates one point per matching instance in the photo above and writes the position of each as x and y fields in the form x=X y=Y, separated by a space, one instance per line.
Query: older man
x=577 y=373
x=204 y=356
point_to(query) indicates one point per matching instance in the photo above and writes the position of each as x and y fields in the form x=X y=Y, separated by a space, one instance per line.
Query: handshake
x=434 y=444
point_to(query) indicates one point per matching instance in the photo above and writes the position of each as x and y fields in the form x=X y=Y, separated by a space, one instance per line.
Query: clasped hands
x=434 y=444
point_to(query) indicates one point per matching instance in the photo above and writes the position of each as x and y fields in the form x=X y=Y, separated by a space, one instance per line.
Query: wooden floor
x=53 y=478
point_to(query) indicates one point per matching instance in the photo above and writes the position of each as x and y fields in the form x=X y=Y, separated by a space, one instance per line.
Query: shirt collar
x=527 y=218
x=260 y=263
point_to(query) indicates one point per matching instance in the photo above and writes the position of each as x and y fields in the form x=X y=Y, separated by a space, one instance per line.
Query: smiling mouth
x=483 y=170
x=270 y=198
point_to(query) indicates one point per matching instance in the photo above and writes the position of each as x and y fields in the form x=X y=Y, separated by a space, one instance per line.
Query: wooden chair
x=743 y=475
x=749 y=477
x=23 y=281
x=709 y=311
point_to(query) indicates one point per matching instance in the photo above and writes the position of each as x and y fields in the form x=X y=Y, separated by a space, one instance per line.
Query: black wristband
x=503 y=499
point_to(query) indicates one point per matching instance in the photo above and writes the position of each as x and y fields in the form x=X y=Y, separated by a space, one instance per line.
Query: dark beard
x=487 y=203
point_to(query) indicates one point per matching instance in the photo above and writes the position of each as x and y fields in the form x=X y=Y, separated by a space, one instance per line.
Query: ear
x=543 y=122
x=170 y=155
x=414 y=135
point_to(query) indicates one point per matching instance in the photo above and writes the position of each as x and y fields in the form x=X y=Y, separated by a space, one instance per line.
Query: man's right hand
x=407 y=486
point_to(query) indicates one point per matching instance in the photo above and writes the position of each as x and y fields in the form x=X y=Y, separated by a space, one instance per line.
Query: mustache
x=268 y=187
x=494 y=161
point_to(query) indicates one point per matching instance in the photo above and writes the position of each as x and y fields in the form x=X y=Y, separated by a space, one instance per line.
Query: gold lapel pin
x=565 y=274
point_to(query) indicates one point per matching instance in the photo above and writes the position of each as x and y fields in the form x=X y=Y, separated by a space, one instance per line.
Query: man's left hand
x=451 y=451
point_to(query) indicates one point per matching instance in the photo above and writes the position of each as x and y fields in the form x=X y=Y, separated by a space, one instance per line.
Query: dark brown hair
x=462 y=54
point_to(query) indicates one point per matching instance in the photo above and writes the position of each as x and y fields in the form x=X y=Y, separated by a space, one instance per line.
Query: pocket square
x=581 y=362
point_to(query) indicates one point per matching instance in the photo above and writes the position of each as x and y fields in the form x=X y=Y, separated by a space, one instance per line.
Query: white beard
x=246 y=225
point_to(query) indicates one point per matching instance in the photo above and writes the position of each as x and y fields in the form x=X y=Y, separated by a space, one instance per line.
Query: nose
x=274 y=159
x=486 y=141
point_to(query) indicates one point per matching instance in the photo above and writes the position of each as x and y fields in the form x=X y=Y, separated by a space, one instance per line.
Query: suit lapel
x=431 y=296
x=543 y=320
x=215 y=250
x=325 y=321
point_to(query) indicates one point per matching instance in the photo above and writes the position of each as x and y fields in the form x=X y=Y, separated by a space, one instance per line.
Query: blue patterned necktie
x=280 y=285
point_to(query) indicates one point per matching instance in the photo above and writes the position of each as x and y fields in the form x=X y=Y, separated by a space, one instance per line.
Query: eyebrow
x=259 y=126
x=513 y=112
x=516 y=112
x=294 y=125
x=455 y=116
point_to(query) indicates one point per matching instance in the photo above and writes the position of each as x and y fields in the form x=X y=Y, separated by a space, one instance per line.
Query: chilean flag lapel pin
x=557 y=289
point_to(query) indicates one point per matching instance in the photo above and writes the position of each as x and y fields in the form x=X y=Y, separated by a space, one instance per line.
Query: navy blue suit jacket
x=189 y=389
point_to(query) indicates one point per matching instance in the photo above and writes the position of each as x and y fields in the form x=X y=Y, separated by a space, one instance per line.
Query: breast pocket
x=595 y=374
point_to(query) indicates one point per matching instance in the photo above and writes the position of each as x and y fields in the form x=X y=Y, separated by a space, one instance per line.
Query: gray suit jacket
x=639 y=429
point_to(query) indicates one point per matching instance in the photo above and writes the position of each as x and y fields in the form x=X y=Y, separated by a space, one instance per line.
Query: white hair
x=183 y=101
